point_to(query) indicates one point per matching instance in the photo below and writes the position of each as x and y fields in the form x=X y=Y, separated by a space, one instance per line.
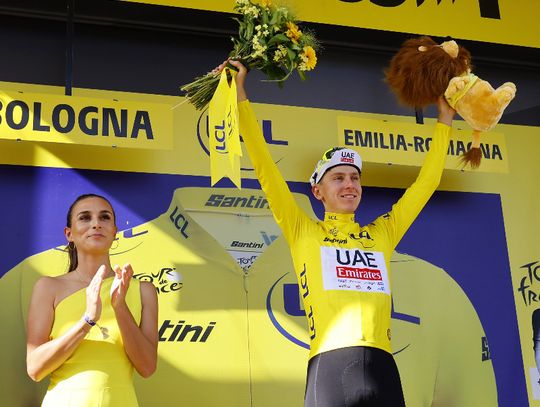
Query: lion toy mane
x=423 y=70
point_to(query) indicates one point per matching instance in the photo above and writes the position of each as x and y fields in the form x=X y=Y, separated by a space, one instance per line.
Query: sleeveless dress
x=98 y=373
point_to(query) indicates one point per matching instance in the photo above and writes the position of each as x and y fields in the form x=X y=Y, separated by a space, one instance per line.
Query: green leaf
x=249 y=31
x=279 y=38
x=291 y=55
x=274 y=72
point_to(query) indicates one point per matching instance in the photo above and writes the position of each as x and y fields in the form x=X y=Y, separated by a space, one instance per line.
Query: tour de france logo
x=166 y=280
x=529 y=286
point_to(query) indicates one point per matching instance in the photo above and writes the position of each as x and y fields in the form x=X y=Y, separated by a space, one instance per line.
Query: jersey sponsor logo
x=362 y=235
x=224 y=201
x=181 y=332
x=304 y=283
x=305 y=292
x=166 y=280
x=363 y=238
x=358 y=273
x=247 y=245
x=334 y=240
x=354 y=270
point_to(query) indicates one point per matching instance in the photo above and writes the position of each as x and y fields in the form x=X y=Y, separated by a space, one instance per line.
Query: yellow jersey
x=343 y=269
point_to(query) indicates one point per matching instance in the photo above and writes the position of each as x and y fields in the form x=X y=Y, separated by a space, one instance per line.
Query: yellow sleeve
x=405 y=211
x=286 y=212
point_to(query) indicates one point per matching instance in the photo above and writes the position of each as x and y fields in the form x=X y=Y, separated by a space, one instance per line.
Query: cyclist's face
x=339 y=190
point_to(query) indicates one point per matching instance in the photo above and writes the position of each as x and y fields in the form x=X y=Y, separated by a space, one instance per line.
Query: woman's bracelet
x=89 y=321
x=104 y=331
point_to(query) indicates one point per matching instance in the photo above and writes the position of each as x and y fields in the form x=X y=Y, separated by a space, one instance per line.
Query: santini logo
x=334 y=240
x=224 y=201
x=249 y=245
x=181 y=332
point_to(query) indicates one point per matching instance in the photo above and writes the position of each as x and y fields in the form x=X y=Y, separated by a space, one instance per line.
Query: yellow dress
x=99 y=372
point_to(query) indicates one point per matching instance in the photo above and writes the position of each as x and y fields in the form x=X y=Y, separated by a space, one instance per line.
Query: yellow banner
x=79 y=120
x=390 y=142
x=289 y=132
x=500 y=21
x=225 y=149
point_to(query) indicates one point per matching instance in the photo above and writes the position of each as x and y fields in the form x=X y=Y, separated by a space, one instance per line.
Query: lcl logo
x=203 y=135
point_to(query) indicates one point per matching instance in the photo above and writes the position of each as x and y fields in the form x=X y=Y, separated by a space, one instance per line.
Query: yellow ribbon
x=452 y=101
x=225 y=148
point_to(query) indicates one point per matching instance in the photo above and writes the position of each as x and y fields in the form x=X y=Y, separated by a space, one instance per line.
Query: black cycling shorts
x=353 y=377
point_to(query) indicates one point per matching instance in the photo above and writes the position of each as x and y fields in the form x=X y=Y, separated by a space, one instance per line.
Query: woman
x=343 y=269
x=90 y=327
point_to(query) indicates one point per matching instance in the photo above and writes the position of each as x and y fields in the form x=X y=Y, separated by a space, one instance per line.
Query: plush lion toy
x=423 y=70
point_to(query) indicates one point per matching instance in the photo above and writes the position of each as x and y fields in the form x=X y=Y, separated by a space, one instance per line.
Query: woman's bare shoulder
x=56 y=288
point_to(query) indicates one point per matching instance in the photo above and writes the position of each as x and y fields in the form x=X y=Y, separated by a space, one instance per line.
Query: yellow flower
x=250 y=10
x=293 y=32
x=280 y=53
x=266 y=3
x=309 y=58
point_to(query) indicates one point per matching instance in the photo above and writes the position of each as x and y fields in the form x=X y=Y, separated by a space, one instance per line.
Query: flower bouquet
x=270 y=40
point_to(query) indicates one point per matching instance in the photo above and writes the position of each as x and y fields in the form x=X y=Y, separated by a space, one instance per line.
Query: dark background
x=134 y=47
